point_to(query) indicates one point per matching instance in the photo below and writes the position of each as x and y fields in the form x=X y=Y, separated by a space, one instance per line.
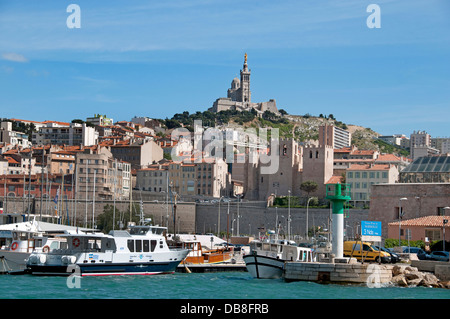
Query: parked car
x=421 y=254
x=365 y=250
x=439 y=255
x=394 y=257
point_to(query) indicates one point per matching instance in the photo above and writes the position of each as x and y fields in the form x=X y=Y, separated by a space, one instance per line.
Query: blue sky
x=157 y=58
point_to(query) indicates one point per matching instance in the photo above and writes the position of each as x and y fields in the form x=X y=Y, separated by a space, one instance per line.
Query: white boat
x=142 y=250
x=266 y=259
x=18 y=241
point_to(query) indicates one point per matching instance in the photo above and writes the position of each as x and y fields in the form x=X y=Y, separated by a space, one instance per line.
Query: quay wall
x=161 y=213
x=256 y=217
x=338 y=272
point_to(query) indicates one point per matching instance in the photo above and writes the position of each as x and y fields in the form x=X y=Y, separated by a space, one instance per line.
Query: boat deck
x=199 y=268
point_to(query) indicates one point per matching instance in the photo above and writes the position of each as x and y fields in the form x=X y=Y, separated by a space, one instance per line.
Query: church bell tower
x=245 y=82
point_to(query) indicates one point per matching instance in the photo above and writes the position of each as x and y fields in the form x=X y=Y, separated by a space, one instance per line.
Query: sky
x=157 y=58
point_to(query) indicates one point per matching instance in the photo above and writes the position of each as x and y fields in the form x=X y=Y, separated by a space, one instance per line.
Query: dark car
x=439 y=255
x=421 y=254
x=394 y=257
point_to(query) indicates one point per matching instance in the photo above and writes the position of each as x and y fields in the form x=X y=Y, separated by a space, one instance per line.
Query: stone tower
x=245 y=83
x=318 y=167
x=286 y=178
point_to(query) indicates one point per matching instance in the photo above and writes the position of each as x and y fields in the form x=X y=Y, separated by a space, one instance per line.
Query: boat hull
x=11 y=261
x=105 y=269
x=264 y=267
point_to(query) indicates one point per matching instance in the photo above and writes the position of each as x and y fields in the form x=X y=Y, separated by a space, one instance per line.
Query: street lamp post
x=218 y=218
x=307 y=212
x=289 y=215
x=238 y=216
x=400 y=215
x=228 y=223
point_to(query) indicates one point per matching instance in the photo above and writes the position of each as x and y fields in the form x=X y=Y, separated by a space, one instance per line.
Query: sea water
x=212 y=285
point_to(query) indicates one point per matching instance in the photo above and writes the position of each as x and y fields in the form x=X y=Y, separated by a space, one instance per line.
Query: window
x=130 y=244
x=433 y=234
x=152 y=245
x=138 y=245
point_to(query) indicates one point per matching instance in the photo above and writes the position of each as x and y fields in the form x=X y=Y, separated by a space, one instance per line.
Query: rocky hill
x=304 y=128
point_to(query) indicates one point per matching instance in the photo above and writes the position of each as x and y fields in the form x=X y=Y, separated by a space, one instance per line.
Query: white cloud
x=15 y=57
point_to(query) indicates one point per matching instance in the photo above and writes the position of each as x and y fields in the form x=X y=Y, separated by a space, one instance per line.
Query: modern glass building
x=429 y=169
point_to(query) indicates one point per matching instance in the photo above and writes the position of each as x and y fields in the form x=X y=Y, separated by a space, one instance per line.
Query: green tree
x=309 y=187
x=105 y=220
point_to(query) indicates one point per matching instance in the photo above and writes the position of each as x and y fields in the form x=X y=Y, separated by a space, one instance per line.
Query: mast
x=93 y=202
x=114 y=207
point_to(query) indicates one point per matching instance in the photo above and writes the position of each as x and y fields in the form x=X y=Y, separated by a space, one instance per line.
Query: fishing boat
x=267 y=258
x=198 y=255
x=142 y=250
x=18 y=241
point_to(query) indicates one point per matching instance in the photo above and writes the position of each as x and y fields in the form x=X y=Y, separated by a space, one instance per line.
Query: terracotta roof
x=335 y=179
x=428 y=221
x=20 y=120
x=376 y=167
x=362 y=152
x=388 y=158
x=11 y=160
x=59 y=123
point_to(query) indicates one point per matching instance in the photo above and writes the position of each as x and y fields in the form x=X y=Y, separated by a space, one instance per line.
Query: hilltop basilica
x=239 y=96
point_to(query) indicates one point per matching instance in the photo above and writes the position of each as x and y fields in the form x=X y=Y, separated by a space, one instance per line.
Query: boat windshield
x=142 y=230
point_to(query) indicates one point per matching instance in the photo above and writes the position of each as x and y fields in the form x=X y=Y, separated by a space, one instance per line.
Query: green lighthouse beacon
x=338 y=194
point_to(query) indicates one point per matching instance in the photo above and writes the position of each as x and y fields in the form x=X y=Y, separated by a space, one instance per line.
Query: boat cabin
x=282 y=249
x=28 y=241
x=137 y=239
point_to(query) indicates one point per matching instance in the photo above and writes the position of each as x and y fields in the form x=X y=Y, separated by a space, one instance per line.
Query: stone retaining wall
x=338 y=273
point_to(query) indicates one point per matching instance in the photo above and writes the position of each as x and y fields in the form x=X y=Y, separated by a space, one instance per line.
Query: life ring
x=76 y=242
x=14 y=246
x=45 y=249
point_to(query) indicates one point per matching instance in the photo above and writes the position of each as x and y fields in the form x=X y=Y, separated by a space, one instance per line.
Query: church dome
x=236 y=83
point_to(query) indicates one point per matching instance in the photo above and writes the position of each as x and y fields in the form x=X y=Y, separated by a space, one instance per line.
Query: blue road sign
x=370 y=228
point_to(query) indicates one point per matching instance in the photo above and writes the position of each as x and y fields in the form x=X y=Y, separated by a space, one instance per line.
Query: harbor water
x=212 y=285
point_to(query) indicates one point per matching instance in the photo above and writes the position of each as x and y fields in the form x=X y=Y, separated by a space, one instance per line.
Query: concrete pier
x=338 y=272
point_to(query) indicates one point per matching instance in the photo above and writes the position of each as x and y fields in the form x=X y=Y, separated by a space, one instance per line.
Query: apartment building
x=207 y=178
x=419 y=143
x=61 y=162
x=334 y=136
x=420 y=138
x=154 y=178
x=100 y=174
x=66 y=134
x=139 y=153
x=348 y=156
x=100 y=120
x=7 y=135
x=362 y=177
